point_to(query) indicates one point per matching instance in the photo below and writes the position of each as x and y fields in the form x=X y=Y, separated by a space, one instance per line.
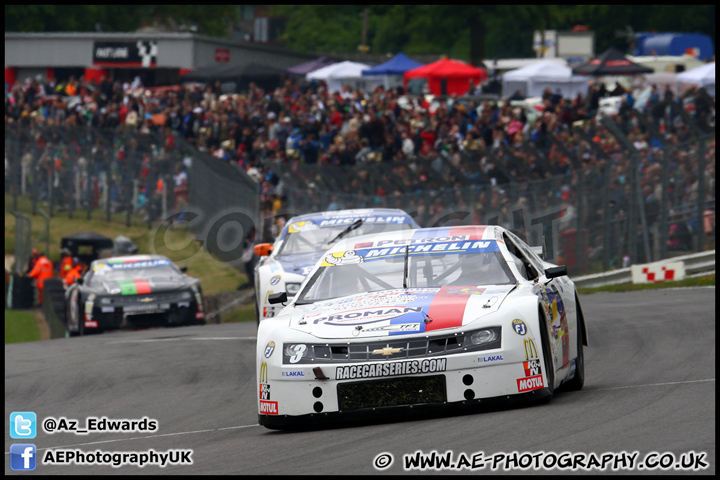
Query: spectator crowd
x=380 y=148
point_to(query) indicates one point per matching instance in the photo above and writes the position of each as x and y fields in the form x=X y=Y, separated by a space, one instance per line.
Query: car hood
x=300 y=264
x=137 y=286
x=398 y=312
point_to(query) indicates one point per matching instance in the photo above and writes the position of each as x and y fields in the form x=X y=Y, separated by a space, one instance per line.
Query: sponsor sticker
x=490 y=358
x=362 y=316
x=269 y=349
x=274 y=280
x=348 y=257
x=397 y=327
x=263 y=372
x=532 y=368
x=530 y=350
x=529 y=383
x=292 y=374
x=391 y=369
x=264 y=391
x=268 y=408
x=519 y=326
x=302 y=227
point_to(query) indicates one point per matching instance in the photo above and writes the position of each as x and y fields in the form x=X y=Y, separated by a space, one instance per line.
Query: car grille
x=392 y=392
x=407 y=348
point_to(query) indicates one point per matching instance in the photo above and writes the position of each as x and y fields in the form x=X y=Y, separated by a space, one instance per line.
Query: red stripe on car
x=142 y=286
x=446 y=310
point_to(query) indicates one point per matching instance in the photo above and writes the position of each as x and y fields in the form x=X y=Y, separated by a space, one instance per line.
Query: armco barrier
x=696 y=263
x=53 y=306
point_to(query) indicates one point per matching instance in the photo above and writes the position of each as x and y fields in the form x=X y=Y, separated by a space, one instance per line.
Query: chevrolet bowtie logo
x=387 y=351
x=146 y=299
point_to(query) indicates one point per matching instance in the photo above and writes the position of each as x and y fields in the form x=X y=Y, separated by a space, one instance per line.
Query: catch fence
x=603 y=194
x=137 y=177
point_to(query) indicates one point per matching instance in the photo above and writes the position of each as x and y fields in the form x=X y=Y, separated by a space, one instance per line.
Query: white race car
x=419 y=320
x=305 y=238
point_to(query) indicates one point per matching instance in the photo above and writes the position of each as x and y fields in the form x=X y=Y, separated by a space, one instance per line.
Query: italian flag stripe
x=142 y=286
x=127 y=287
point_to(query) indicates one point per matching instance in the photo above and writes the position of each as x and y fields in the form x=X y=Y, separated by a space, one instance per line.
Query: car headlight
x=481 y=337
x=294 y=352
x=106 y=300
x=292 y=289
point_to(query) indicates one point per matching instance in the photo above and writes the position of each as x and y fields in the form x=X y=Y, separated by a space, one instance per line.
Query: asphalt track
x=650 y=387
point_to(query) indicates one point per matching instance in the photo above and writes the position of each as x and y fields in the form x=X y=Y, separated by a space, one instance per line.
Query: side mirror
x=183 y=269
x=263 y=249
x=280 y=297
x=555 y=272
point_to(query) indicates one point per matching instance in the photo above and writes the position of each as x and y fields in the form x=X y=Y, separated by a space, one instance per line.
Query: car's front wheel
x=80 y=327
x=577 y=382
x=547 y=355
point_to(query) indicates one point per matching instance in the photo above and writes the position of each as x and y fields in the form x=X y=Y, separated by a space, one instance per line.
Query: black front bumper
x=395 y=413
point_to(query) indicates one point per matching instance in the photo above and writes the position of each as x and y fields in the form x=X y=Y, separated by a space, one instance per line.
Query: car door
x=551 y=297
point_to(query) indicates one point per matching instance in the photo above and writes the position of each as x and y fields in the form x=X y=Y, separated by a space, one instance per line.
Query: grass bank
x=178 y=245
x=20 y=326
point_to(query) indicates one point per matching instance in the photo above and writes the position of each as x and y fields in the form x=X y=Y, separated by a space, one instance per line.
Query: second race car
x=138 y=290
x=305 y=238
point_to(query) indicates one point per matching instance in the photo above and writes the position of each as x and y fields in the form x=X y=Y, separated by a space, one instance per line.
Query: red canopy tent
x=456 y=74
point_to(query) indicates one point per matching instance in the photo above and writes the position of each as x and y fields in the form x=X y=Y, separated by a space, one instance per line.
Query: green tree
x=210 y=19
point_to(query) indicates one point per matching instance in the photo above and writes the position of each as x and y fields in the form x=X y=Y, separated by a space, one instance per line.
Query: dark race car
x=139 y=290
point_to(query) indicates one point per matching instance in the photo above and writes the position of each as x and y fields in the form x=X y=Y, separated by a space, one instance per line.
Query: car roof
x=438 y=234
x=345 y=217
x=354 y=213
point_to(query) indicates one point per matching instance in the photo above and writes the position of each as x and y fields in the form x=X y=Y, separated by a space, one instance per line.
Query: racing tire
x=547 y=356
x=257 y=313
x=81 y=326
x=576 y=383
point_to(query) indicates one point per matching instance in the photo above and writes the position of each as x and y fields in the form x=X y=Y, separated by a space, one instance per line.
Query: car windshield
x=320 y=238
x=426 y=265
x=115 y=271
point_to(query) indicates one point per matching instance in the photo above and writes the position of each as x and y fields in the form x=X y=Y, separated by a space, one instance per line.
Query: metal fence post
x=106 y=194
x=163 y=194
x=51 y=174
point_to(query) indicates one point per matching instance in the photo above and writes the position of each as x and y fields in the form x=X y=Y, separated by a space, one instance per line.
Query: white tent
x=703 y=76
x=534 y=79
x=345 y=73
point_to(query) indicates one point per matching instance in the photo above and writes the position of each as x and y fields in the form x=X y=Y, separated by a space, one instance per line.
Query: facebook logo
x=23 y=456
x=23 y=425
